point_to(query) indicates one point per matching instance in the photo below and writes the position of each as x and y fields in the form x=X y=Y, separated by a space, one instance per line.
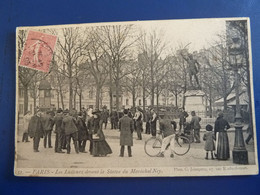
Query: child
x=209 y=138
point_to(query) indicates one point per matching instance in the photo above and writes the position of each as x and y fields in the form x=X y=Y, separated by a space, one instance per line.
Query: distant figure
x=35 y=130
x=209 y=138
x=104 y=116
x=153 y=121
x=114 y=119
x=138 y=123
x=126 y=128
x=26 y=119
x=195 y=125
x=148 y=120
x=221 y=127
x=183 y=116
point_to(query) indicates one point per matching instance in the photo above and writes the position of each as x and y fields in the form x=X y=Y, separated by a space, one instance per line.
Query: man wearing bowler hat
x=35 y=130
x=126 y=128
x=59 y=131
x=71 y=131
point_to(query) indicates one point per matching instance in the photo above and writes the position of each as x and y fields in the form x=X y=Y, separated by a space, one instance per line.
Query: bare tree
x=116 y=42
x=217 y=62
x=96 y=64
x=71 y=45
x=151 y=46
x=132 y=81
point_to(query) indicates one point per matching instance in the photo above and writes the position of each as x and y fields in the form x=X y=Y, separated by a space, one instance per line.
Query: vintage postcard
x=135 y=99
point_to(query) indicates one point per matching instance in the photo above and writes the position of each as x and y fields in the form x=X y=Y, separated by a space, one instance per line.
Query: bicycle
x=153 y=145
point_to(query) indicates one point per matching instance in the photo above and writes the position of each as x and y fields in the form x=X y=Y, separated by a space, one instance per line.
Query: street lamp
x=240 y=154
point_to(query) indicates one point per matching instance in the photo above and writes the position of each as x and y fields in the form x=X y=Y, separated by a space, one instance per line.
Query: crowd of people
x=87 y=126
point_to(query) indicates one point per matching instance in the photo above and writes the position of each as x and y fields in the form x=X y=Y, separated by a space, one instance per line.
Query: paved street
x=46 y=158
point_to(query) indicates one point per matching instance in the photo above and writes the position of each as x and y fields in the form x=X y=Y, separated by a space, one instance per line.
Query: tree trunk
x=225 y=102
x=25 y=99
x=75 y=100
x=58 y=99
x=176 y=99
x=80 y=99
x=70 y=93
x=61 y=98
x=152 y=87
x=157 y=99
x=133 y=96
x=210 y=102
x=144 y=92
x=34 y=102
x=97 y=95
x=110 y=88
x=117 y=95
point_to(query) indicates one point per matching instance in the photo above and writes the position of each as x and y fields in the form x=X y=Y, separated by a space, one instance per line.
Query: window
x=126 y=102
x=140 y=102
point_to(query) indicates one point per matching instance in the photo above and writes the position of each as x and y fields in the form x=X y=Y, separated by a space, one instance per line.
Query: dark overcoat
x=47 y=122
x=69 y=125
x=82 y=129
x=35 y=128
x=58 y=121
x=126 y=127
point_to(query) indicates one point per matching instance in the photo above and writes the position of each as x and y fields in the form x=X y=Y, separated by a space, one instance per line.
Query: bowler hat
x=66 y=111
x=96 y=111
x=59 y=110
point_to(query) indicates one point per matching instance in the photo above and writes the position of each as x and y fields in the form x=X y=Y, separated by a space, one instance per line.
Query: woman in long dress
x=221 y=126
x=100 y=146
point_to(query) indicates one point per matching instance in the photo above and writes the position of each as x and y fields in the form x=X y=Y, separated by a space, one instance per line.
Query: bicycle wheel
x=182 y=145
x=153 y=146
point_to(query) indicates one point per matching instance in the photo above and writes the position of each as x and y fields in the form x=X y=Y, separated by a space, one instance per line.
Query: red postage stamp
x=38 y=51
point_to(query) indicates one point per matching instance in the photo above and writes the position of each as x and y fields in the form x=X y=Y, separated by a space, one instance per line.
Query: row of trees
x=126 y=59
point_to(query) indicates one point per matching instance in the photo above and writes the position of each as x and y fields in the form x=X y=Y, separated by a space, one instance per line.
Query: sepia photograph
x=152 y=98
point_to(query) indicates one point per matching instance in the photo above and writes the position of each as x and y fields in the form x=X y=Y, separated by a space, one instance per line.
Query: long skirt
x=223 y=146
x=101 y=148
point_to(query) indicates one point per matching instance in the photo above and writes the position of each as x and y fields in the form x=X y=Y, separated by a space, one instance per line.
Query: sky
x=199 y=33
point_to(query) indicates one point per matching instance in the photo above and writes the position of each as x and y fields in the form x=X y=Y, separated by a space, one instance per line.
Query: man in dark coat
x=59 y=131
x=82 y=133
x=114 y=119
x=153 y=121
x=138 y=123
x=104 y=116
x=126 y=128
x=47 y=121
x=35 y=130
x=71 y=131
x=148 y=124
x=183 y=116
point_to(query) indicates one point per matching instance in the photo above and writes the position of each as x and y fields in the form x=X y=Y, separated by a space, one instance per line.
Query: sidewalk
x=46 y=158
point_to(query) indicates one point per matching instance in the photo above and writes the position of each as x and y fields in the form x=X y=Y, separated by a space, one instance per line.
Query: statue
x=193 y=69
